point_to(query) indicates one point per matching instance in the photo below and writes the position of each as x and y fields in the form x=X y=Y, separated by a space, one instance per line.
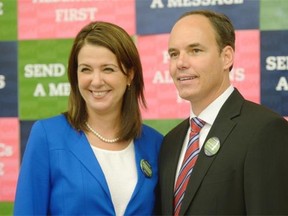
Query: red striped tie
x=188 y=163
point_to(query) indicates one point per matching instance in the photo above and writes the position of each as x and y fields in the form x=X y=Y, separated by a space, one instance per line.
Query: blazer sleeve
x=266 y=170
x=32 y=193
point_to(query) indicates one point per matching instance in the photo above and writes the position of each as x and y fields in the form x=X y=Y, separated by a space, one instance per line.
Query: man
x=242 y=165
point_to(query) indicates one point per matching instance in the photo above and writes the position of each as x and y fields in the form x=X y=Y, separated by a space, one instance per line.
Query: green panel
x=273 y=15
x=163 y=126
x=8 y=20
x=6 y=208
x=43 y=83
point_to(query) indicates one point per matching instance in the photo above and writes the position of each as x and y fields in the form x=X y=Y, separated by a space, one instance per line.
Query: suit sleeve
x=32 y=194
x=266 y=171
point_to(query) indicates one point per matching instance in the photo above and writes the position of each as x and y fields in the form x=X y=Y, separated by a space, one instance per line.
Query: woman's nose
x=96 y=78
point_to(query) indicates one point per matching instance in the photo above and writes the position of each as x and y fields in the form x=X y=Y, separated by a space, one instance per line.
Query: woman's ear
x=130 y=77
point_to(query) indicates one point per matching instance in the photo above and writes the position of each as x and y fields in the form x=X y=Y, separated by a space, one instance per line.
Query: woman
x=97 y=158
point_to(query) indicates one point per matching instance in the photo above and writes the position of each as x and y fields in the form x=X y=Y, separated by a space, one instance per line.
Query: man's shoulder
x=182 y=126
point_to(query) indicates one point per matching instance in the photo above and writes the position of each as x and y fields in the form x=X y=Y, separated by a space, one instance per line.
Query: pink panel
x=9 y=157
x=161 y=94
x=246 y=72
x=38 y=19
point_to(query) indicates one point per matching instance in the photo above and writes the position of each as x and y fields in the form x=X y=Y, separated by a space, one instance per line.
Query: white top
x=119 y=168
x=208 y=115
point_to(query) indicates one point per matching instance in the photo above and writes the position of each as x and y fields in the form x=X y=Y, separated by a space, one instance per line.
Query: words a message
x=1 y=8
x=47 y=70
x=2 y=81
x=192 y=3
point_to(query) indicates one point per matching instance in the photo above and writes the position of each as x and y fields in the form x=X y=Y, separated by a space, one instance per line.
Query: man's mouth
x=186 y=78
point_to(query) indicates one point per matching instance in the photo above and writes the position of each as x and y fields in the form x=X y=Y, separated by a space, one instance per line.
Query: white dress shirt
x=120 y=172
x=208 y=115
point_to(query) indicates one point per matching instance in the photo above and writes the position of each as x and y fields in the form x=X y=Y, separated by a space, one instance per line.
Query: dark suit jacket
x=248 y=175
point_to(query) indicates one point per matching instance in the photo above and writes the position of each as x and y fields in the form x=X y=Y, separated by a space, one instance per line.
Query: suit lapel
x=139 y=155
x=221 y=128
x=81 y=149
x=173 y=149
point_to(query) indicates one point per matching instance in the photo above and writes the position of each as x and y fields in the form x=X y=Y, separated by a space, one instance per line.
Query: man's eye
x=196 y=51
x=172 y=54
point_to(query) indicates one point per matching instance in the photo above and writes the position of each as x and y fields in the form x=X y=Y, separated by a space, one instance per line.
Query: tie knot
x=196 y=124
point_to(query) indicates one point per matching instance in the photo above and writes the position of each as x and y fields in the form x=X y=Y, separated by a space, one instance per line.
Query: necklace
x=101 y=137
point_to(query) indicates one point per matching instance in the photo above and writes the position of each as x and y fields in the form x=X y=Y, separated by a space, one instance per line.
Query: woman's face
x=101 y=82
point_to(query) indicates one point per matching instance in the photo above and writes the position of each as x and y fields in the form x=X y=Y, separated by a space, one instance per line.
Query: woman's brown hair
x=119 y=42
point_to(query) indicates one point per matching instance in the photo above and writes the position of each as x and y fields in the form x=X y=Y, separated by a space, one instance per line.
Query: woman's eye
x=84 y=69
x=108 y=70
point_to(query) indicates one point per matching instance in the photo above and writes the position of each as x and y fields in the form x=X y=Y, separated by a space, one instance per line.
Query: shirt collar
x=210 y=113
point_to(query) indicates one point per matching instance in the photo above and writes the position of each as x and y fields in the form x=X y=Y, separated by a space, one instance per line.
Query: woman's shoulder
x=150 y=141
x=57 y=119
x=146 y=129
x=54 y=123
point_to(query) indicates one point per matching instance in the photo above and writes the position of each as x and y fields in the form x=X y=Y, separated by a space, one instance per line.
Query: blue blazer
x=60 y=175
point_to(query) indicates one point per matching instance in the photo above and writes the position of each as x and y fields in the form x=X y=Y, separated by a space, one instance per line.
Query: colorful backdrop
x=36 y=38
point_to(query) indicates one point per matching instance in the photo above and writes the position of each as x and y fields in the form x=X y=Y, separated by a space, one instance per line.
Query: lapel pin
x=146 y=168
x=212 y=146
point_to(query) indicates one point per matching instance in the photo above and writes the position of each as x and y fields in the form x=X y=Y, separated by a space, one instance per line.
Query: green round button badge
x=146 y=168
x=212 y=146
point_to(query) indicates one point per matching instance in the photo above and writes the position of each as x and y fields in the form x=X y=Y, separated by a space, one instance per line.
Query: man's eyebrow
x=171 y=50
x=193 y=45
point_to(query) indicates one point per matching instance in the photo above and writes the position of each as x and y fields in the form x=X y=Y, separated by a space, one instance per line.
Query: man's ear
x=228 y=57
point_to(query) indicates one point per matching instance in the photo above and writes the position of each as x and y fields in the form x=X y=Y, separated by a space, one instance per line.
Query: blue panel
x=8 y=80
x=158 y=16
x=25 y=128
x=274 y=70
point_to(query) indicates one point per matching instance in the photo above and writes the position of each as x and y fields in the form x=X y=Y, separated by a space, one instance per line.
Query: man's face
x=197 y=67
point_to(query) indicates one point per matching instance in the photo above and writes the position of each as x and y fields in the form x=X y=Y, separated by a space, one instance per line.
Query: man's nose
x=182 y=61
